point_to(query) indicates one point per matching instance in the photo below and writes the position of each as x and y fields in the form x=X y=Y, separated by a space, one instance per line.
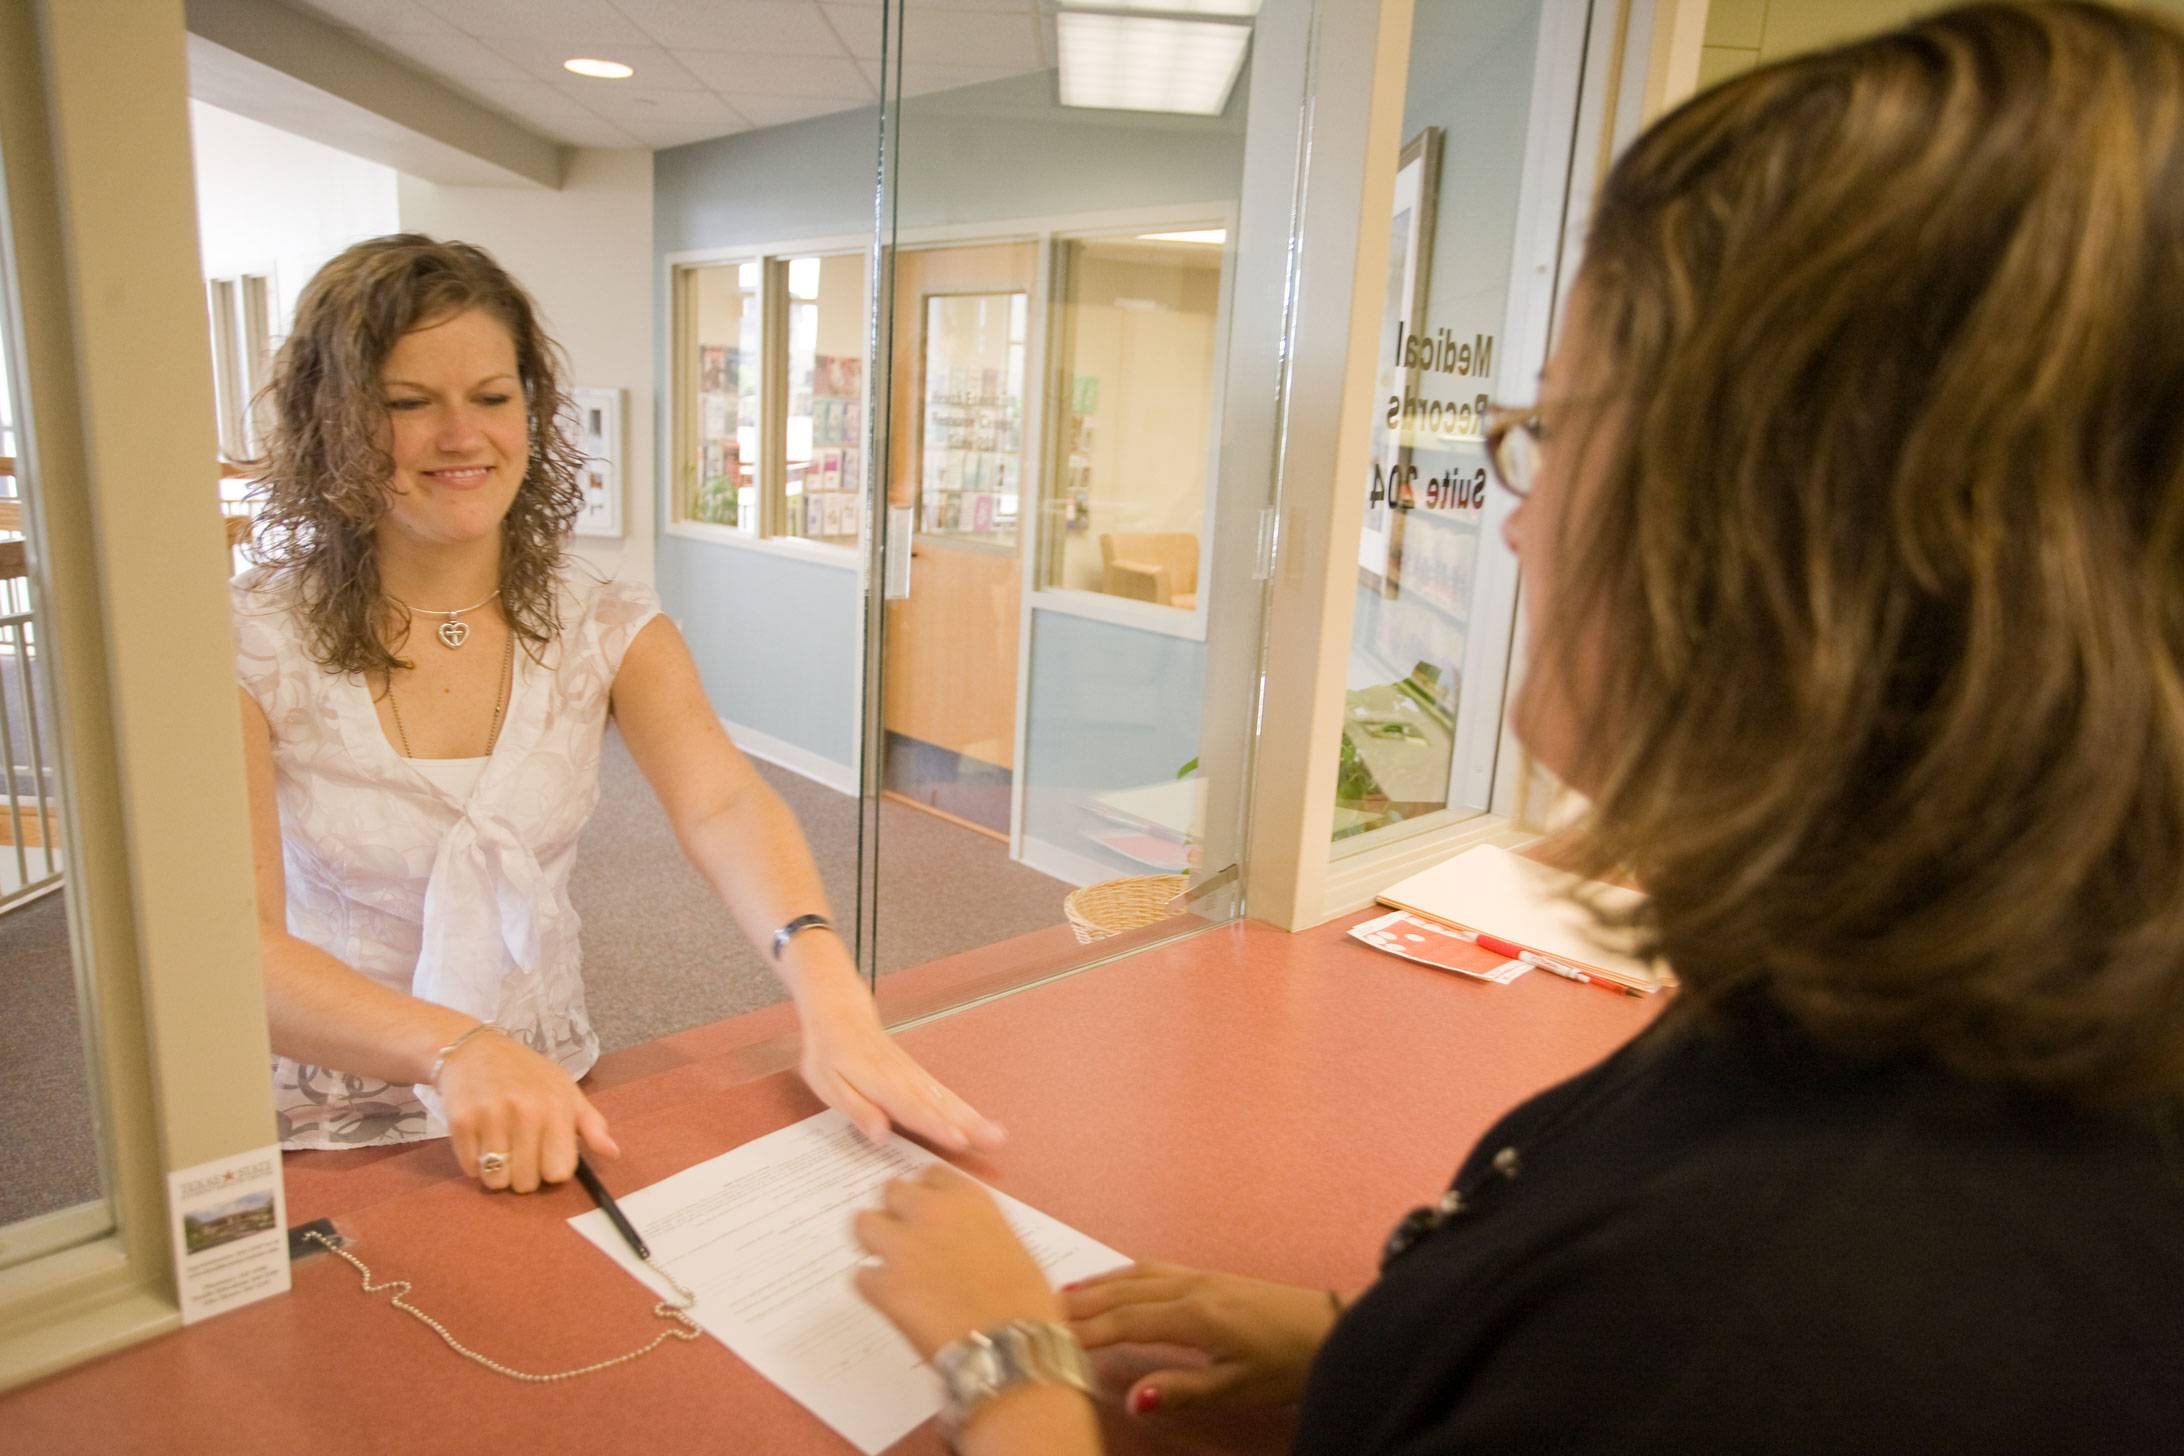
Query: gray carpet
x=45 y=1098
x=660 y=953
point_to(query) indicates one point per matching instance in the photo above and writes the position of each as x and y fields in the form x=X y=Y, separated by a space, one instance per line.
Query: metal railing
x=30 y=860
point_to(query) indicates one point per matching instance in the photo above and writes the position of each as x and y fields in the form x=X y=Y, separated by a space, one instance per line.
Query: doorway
x=956 y=471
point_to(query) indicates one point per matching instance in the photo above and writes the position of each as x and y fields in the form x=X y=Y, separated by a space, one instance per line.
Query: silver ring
x=490 y=1163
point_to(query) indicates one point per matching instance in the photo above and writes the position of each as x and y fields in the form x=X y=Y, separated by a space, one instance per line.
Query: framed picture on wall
x=1402 y=318
x=597 y=431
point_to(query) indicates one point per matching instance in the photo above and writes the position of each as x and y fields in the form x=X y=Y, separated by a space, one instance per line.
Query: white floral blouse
x=459 y=900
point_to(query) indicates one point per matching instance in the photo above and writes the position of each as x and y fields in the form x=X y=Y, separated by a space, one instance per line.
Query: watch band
x=985 y=1363
x=796 y=927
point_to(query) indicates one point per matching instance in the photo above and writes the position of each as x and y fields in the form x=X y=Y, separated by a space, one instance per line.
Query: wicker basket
x=1113 y=906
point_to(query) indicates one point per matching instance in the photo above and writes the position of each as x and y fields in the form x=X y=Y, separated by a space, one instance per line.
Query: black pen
x=610 y=1208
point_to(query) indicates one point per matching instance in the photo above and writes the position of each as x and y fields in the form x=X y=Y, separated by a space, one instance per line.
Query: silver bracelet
x=439 y=1063
x=796 y=927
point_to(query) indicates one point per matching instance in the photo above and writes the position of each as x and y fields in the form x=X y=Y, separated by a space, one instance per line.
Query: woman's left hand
x=856 y=1068
x=945 y=1263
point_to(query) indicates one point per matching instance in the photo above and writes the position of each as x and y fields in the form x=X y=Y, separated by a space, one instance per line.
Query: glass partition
x=1429 y=642
x=1060 y=660
x=1136 y=317
x=55 y=1193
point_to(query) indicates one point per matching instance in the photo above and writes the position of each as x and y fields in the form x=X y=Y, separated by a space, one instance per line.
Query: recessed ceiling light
x=1149 y=63
x=601 y=70
x=1212 y=236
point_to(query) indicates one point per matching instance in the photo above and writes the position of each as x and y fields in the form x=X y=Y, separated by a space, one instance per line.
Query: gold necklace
x=500 y=699
x=452 y=632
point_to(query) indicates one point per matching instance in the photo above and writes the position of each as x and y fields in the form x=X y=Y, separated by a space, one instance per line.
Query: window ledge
x=1355 y=879
x=789 y=548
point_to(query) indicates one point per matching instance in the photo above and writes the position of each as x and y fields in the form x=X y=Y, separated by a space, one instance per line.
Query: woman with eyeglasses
x=1853 y=546
x=426 y=682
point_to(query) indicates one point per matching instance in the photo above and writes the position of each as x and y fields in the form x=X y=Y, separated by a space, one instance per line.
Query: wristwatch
x=985 y=1363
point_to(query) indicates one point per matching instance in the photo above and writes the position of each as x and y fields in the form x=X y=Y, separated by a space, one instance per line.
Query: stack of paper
x=761 y=1234
x=1531 y=905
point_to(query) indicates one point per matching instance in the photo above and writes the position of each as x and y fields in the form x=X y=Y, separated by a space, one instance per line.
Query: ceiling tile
x=858 y=30
x=777 y=110
x=656 y=69
x=858 y=26
x=378 y=17
x=947 y=37
x=756 y=27
x=966 y=38
x=572 y=22
x=456 y=56
x=735 y=75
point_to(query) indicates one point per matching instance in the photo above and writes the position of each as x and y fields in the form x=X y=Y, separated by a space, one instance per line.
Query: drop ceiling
x=704 y=68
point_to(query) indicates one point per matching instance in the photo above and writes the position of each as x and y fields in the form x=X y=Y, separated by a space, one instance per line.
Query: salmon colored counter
x=1244 y=1099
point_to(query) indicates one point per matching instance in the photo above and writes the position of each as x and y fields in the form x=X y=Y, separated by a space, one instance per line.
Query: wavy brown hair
x=325 y=475
x=1885 y=578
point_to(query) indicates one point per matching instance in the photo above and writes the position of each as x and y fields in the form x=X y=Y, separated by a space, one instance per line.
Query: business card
x=227 y=1218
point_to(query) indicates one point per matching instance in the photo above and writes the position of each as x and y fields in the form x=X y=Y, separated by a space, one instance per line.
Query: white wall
x=274 y=203
x=585 y=253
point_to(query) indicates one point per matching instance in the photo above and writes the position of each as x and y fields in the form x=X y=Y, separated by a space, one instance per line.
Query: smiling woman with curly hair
x=323 y=481
x=426 y=685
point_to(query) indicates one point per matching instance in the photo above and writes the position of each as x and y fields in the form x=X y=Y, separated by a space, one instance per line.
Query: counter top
x=1242 y=1099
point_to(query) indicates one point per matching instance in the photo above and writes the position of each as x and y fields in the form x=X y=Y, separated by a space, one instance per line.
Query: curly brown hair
x=1885 y=575
x=324 y=476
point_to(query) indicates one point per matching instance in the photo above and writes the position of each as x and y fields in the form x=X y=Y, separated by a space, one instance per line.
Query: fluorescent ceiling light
x=1213 y=236
x=1144 y=63
x=1169 y=7
x=599 y=70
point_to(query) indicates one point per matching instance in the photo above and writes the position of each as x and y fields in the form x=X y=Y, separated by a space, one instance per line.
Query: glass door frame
x=1229 y=616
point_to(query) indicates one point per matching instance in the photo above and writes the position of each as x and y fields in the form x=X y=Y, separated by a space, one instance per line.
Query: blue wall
x=775 y=640
x=1111 y=708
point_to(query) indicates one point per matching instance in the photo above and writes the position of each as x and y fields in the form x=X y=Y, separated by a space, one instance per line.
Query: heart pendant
x=453 y=633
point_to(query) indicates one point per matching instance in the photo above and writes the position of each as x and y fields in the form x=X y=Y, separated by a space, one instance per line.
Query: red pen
x=1517 y=952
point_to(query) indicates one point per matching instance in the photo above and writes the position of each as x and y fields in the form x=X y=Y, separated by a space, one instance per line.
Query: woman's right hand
x=503 y=1097
x=1259 y=1339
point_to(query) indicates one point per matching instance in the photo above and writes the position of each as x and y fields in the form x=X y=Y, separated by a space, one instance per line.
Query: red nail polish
x=1145 y=1400
x=1072 y=1284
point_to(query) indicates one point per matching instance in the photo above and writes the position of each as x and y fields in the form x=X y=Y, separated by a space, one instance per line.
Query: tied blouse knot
x=458 y=897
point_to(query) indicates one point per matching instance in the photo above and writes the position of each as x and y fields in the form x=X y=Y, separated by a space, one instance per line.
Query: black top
x=1730 y=1240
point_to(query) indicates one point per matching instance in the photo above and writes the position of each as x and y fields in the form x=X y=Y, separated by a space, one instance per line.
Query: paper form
x=761 y=1234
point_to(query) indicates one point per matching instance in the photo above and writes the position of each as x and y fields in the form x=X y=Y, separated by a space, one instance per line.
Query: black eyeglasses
x=1512 y=449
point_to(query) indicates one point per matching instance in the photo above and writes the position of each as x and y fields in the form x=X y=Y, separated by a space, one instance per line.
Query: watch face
x=976 y=1374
